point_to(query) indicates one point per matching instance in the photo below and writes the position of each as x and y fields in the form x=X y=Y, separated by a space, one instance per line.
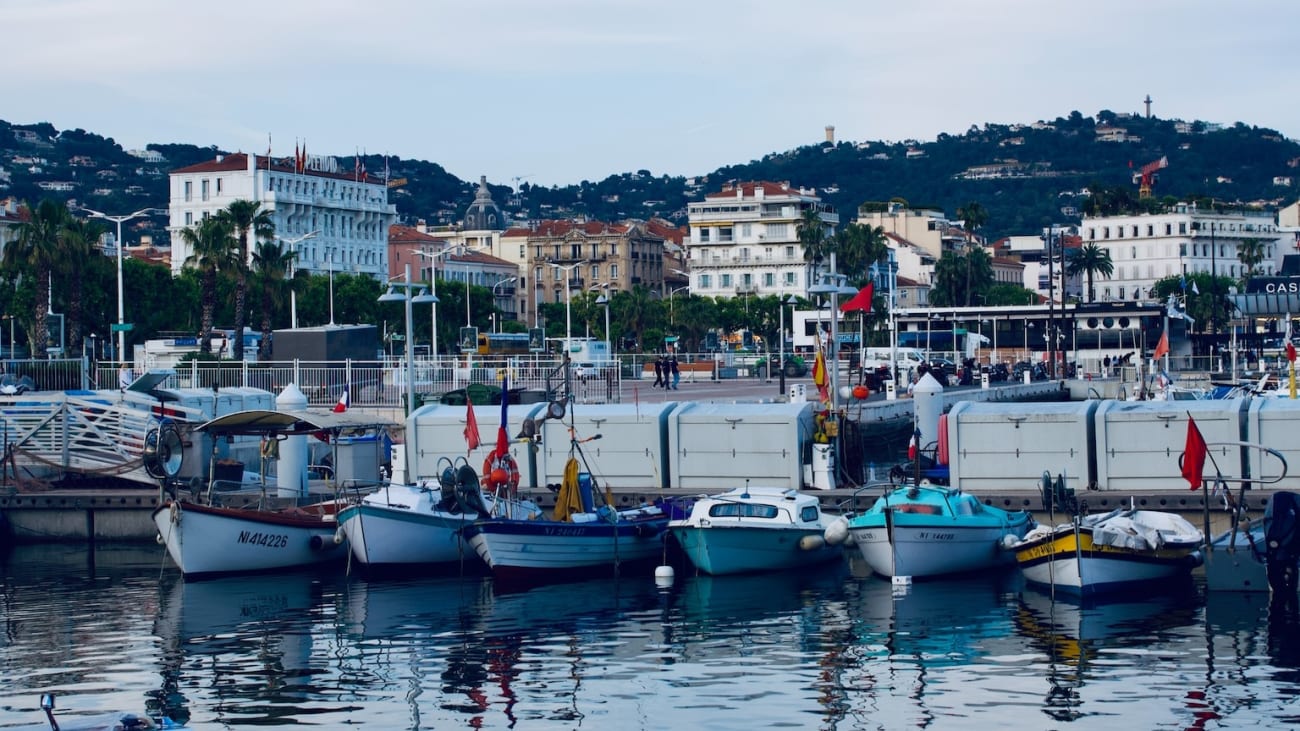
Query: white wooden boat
x=754 y=529
x=206 y=539
x=1124 y=549
x=423 y=523
x=227 y=531
x=922 y=531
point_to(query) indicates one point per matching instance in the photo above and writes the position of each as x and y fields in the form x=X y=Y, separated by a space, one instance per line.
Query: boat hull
x=935 y=531
x=388 y=536
x=203 y=539
x=528 y=549
x=1236 y=561
x=1068 y=560
x=720 y=550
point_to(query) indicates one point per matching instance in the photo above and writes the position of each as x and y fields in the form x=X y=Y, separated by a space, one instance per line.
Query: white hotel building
x=1149 y=247
x=349 y=211
x=744 y=240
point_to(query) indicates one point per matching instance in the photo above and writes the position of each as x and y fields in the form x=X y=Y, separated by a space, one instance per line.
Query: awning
x=264 y=422
x=1265 y=304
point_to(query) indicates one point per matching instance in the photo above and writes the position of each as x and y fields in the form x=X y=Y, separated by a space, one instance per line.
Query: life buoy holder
x=500 y=471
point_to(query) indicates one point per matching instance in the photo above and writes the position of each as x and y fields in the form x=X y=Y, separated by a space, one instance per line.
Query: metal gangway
x=49 y=435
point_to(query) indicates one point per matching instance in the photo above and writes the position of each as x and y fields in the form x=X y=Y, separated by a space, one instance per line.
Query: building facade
x=556 y=256
x=1148 y=247
x=744 y=240
x=334 y=219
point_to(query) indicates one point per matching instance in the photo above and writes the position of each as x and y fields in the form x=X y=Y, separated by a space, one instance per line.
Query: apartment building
x=744 y=240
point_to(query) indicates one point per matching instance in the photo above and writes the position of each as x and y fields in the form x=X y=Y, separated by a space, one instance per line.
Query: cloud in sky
x=569 y=90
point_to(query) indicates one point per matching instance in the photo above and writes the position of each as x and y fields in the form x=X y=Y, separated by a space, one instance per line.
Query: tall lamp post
x=603 y=301
x=121 y=305
x=293 y=269
x=568 y=311
x=405 y=296
x=507 y=280
x=671 y=317
x=433 y=290
x=780 y=336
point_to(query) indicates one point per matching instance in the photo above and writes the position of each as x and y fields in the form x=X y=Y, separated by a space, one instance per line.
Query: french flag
x=343 y=403
x=914 y=445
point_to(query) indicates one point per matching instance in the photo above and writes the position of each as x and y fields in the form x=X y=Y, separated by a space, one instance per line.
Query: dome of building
x=483 y=213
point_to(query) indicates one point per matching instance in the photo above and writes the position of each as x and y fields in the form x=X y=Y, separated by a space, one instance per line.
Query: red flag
x=861 y=300
x=1162 y=347
x=343 y=403
x=503 y=440
x=1290 y=352
x=471 y=426
x=1194 y=453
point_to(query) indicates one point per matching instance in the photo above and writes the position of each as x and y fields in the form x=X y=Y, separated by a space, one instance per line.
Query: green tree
x=954 y=269
x=75 y=264
x=212 y=252
x=35 y=251
x=857 y=247
x=811 y=232
x=249 y=221
x=270 y=270
x=1250 y=252
x=1090 y=261
x=973 y=216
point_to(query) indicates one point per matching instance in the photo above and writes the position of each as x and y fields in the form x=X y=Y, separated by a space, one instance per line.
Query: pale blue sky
x=559 y=91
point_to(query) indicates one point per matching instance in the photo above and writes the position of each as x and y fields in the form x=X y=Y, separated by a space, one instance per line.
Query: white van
x=907 y=358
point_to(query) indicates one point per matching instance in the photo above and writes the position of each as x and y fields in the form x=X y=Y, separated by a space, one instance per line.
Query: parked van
x=907 y=359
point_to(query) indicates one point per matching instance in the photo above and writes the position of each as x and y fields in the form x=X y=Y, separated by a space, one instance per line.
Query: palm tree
x=816 y=244
x=76 y=257
x=245 y=218
x=213 y=250
x=271 y=265
x=1090 y=260
x=973 y=217
x=1250 y=252
x=857 y=247
x=37 y=249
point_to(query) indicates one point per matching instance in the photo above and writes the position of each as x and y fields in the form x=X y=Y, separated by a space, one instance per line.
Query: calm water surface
x=116 y=628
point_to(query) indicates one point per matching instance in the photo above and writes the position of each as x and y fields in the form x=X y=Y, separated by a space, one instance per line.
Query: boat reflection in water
x=1082 y=641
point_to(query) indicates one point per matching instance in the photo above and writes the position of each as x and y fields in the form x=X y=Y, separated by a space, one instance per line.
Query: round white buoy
x=664 y=576
x=339 y=537
x=837 y=532
x=1009 y=542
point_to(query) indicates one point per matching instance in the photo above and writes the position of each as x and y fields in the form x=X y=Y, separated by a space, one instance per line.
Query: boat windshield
x=742 y=510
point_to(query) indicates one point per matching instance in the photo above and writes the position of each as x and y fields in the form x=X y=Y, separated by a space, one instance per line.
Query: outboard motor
x=1282 y=544
x=468 y=493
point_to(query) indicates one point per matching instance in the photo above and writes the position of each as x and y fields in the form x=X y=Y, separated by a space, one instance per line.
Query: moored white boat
x=423 y=523
x=1122 y=549
x=928 y=530
x=754 y=529
x=206 y=539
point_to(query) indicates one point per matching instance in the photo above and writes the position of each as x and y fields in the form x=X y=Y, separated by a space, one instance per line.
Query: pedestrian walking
x=677 y=375
x=659 y=371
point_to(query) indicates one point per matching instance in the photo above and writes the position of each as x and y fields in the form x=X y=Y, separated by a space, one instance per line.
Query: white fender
x=837 y=532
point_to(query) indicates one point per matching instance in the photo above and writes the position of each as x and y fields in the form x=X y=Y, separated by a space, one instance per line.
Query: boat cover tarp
x=263 y=422
x=1142 y=530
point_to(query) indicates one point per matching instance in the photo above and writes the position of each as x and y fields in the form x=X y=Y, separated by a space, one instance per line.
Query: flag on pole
x=914 y=446
x=471 y=426
x=1290 y=351
x=344 y=402
x=1194 y=452
x=819 y=376
x=1195 y=289
x=1162 y=347
x=503 y=441
x=861 y=300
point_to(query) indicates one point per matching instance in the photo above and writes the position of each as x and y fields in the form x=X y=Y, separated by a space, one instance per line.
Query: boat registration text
x=269 y=540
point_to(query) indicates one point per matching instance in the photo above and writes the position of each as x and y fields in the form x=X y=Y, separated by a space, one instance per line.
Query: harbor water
x=115 y=628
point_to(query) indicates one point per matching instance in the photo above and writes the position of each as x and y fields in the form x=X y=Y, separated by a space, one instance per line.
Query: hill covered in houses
x=1026 y=176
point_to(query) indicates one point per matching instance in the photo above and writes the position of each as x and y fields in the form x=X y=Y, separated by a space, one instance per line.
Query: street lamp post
x=603 y=301
x=433 y=290
x=568 y=311
x=780 y=336
x=507 y=280
x=293 y=269
x=121 y=305
x=392 y=295
x=671 y=317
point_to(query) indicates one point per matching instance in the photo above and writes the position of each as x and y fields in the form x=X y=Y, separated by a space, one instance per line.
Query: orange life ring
x=500 y=471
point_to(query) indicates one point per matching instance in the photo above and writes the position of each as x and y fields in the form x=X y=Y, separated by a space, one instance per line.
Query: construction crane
x=1147 y=175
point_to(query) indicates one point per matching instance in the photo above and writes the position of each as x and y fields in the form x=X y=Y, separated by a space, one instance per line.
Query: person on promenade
x=659 y=371
x=677 y=374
